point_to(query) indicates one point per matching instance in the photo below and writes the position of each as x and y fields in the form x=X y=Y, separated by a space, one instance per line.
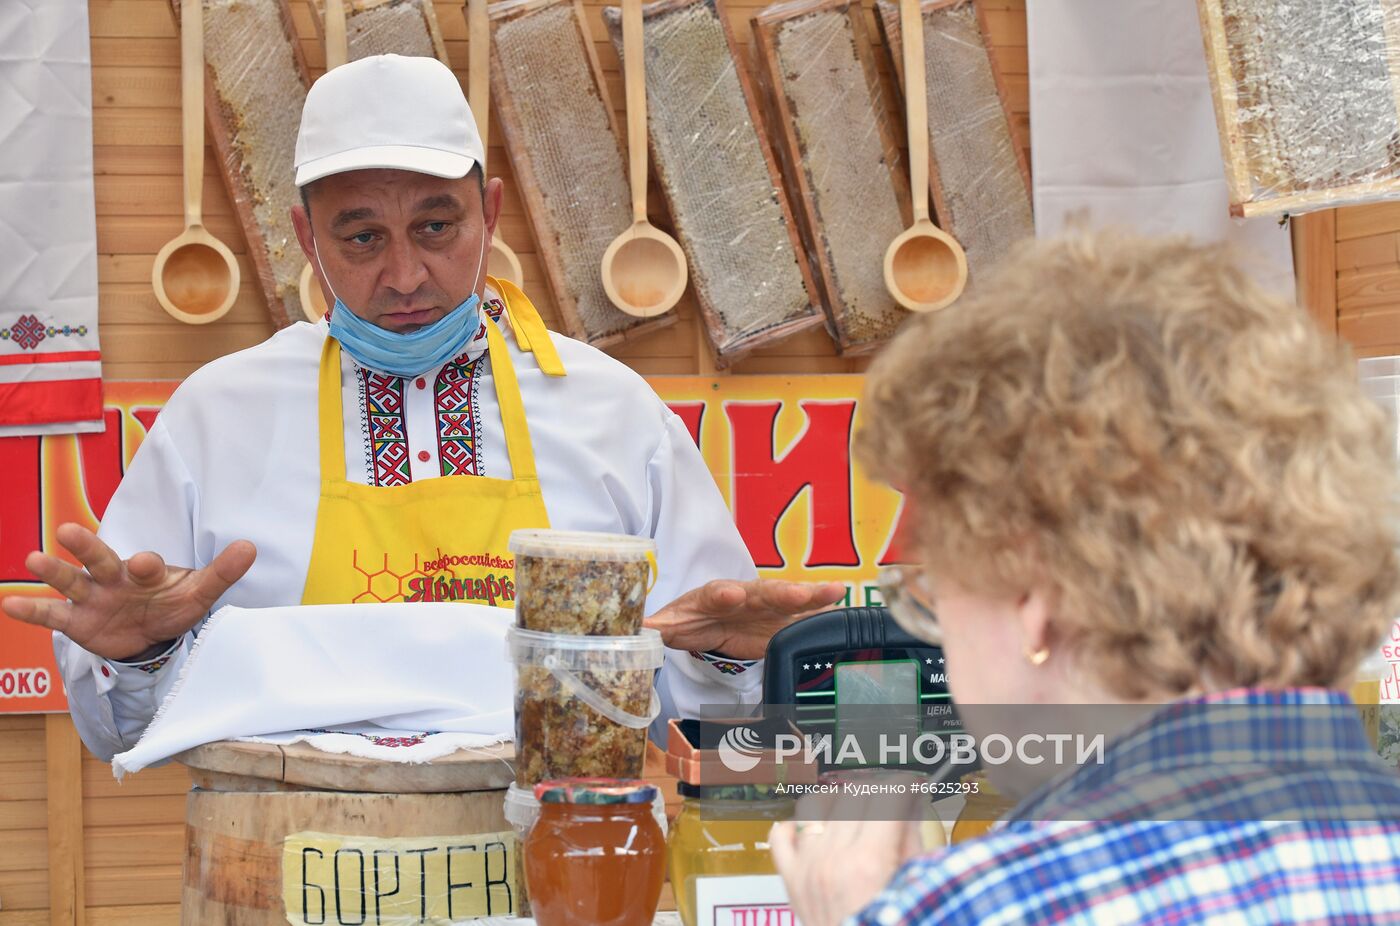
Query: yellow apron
x=439 y=539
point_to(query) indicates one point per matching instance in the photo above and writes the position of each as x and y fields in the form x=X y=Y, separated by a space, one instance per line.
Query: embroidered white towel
x=425 y=679
x=50 y=368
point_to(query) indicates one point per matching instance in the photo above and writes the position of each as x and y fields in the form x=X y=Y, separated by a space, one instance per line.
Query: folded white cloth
x=401 y=682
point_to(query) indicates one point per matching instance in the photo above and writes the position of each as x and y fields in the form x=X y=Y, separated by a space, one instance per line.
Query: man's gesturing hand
x=739 y=618
x=119 y=609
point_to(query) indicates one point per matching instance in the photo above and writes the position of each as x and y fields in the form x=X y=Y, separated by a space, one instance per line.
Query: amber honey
x=1366 y=693
x=983 y=808
x=597 y=864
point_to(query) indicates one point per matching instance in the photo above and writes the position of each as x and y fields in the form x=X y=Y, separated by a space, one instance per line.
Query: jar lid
x=521 y=807
x=595 y=791
x=581 y=545
x=748 y=792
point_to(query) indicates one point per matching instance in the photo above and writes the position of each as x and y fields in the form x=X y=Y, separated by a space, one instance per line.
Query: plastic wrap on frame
x=1306 y=100
x=254 y=98
x=566 y=156
x=840 y=143
x=981 y=188
x=732 y=220
x=381 y=27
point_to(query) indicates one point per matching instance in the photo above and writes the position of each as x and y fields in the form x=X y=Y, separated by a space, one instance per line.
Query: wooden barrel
x=291 y=834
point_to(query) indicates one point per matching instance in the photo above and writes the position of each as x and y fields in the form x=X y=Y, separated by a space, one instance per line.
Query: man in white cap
x=388 y=452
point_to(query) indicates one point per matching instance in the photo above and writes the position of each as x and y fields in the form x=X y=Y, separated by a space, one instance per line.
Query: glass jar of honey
x=722 y=832
x=595 y=854
x=985 y=805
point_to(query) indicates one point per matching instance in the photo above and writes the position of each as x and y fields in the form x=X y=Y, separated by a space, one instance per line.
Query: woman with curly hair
x=1144 y=481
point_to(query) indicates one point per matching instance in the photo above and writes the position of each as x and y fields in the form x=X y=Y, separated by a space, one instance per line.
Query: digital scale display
x=855 y=672
x=911 y=675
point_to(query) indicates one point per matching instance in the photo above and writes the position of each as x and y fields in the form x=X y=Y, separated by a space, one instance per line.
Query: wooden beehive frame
x=766 y=25
x=528 y=179
x=283 y=298
x=1226 y=98
x=356 y=7
x=959 y=226
x=728 y=343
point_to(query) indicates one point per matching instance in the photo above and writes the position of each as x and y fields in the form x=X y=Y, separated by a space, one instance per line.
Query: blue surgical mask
x=410 y=354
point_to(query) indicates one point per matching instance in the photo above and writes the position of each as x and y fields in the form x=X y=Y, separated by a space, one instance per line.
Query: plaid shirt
x=1239 y=808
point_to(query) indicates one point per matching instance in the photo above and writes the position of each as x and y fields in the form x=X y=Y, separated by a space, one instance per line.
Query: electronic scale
x=856 y=671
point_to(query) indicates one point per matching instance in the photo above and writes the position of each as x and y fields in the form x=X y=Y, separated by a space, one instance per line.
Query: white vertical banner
x=50 y=365
x=1123 y=129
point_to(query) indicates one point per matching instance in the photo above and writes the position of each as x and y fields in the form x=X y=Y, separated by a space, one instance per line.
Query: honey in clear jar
x=983 y=808
x=721 y=832
x=595 y=855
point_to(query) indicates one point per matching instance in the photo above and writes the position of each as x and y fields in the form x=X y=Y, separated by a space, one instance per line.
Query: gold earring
x=1037 y=657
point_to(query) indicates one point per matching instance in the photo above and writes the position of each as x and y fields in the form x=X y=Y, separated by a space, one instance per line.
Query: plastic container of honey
x=578 y=582
x=595 y=854
x=722 y=832
x=582 y=703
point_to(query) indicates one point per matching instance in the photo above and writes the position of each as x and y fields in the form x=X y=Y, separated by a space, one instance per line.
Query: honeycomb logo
x=384 y=584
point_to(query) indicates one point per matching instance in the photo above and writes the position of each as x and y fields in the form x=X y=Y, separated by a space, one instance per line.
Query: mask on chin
x=413 y=353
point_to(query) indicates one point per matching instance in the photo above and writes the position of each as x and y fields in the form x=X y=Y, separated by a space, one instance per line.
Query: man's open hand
x=118 y=608
x=738 y=619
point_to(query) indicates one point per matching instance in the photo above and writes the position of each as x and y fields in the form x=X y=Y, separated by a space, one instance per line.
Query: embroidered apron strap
x=330 y=414
x=528 y=327
x=518 y=446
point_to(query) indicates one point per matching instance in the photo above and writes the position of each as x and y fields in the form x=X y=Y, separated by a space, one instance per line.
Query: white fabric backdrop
x=1123 y=129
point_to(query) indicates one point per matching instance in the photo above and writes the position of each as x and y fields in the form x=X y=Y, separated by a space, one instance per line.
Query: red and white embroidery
x=454 y=395
x=383 y=423
x=388 y=433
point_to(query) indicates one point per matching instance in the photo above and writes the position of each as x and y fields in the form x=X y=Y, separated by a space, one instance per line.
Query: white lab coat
x=233 y=455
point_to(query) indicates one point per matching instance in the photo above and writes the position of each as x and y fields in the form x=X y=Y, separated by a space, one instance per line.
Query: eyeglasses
x=906 y=592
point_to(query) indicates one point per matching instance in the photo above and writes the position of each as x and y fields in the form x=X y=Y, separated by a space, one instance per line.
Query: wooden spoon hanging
x=195 y=275
x=644 y=269
x=501 y=262
x=313 y=301
x=925 y=268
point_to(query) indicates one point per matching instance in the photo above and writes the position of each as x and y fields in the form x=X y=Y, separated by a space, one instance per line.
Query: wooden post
x=704 y=354
x=63 y=753
x=1315 y=265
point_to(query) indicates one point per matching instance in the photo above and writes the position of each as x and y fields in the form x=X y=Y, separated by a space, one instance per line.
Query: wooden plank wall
x=136 y=80
x=77 y=847
x=1368 y=278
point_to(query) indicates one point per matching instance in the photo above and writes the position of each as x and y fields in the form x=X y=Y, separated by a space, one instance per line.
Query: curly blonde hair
x=1183 y=459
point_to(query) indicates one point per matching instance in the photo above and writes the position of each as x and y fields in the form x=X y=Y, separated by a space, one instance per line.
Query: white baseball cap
x=393 y=111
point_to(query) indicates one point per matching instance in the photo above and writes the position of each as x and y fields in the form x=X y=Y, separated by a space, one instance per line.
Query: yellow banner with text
x=779 y=449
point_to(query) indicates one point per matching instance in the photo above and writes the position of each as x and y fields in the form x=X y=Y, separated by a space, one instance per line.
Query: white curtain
x=1123 y=129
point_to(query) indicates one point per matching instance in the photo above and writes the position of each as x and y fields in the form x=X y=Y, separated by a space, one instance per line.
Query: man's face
x=401 y=249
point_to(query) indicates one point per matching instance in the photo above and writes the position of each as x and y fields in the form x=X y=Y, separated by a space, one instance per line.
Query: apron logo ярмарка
x=490 y=590
x=437 y=579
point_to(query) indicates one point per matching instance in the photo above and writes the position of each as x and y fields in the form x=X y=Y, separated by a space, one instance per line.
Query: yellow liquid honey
x=1367 y=695
x=982 y=809
x=714 y=838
